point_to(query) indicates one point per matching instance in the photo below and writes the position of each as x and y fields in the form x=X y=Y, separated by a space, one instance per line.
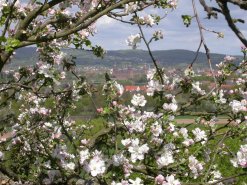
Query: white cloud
x=177 y=36
x=105 y=21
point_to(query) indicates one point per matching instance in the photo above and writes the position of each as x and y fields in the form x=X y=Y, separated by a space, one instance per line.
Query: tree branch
x=203 y=40
x=91 y=17
x=241 y=3
x=226 y=13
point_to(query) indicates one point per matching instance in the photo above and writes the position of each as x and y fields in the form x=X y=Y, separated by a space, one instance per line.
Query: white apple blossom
x=153 y=85
x=165 y=159
x=196 y=89
x=119 y=87
x=184 y=132
x=156 y=129
x=150 y=74
x=173 y=3
x=40 y=110
x=195 y=166
x=137 y=181
x=46 y=106
x=148 y=19
x=200 y=135
x=59 y=58
x=45 y=69
x=137 y=152
x=17 y=76
x=158 y=35
x=136 y=125
x=127 y=168
x=96 y=166
x=126 y=142
x=150 y=115
x=229 y=58
x=241 y=158
x=222 y=100
x=215 y=176
x=170 y=180
x=84 y=155
x=188 y=142
x=138 y=100
x=219 y=98
x=84 y=33
x=171 y=127
x=132 y=40
x=189 y=72
x=170 y=107
x=241 y=81
x=238 y=106
x=3 y=3
x=69 y=166
x=131 y=7
x=47 y=124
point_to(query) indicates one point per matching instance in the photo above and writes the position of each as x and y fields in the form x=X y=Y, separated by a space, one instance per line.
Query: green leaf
x=98 y=51
x=186 y=20
x=11 y=44
x=87 y=43
x=3 y=39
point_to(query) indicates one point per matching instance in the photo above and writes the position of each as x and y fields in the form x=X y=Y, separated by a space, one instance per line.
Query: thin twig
x=197 y=53
x=150 y=52
x=8 y=18
x=203 y=40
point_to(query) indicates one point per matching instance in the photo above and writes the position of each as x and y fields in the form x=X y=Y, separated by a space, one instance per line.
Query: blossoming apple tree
x=42 y=144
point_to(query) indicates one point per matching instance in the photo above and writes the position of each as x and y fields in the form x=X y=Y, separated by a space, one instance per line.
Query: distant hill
x=28 y=56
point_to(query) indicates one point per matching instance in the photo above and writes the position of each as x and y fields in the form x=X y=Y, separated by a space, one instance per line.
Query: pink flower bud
x=100 y=110
x=114 y=103
x=159 y=179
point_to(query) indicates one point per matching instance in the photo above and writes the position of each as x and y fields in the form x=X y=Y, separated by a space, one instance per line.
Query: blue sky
x=112 y=34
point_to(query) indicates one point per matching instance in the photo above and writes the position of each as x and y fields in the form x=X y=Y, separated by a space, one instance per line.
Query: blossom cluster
x=133 y=143
x=241 y=158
